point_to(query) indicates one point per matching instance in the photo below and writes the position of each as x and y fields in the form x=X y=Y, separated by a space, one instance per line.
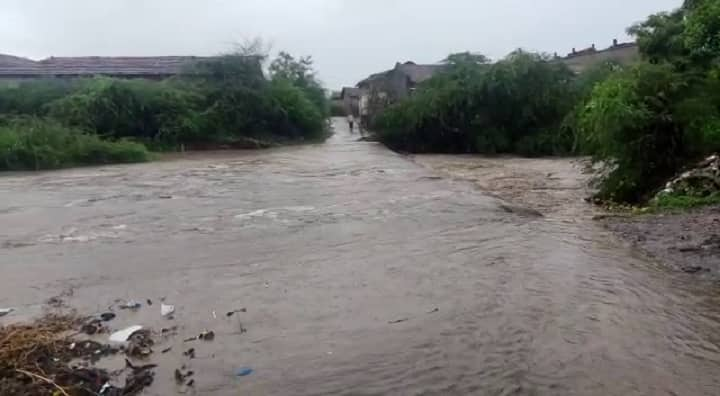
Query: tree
x=702 y=30
x=466 y=57
x=301 y=74
x=660 y=37
x=298 y=71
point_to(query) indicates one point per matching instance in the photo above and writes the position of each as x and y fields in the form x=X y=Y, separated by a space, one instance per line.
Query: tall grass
x=34 y=144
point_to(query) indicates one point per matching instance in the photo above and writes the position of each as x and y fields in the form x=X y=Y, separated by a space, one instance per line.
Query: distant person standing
x=351 y=123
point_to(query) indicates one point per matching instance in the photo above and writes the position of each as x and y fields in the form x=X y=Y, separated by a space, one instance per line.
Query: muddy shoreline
x=687 y=242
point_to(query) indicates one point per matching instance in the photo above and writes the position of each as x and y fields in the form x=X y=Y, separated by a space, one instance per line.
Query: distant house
x=622 y=53
x=15 y=69
x=401 y=81
x=382 y=89
x=350 y=98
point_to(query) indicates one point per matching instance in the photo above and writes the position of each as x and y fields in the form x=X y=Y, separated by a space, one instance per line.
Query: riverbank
x=687 y=241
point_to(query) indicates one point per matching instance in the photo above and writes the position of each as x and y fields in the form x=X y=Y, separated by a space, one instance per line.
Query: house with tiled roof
x=13 y=68
x=622 y=53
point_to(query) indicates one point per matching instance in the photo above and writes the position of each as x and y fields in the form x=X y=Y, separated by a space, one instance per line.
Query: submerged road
x=362 y=273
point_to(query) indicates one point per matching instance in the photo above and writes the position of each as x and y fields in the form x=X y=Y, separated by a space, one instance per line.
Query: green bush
x=34 y=144
x=670 y=201
x=31 y=97
x=645 y=124
x=218 y=101
x=144 y=110
x=299 y=116
x=516 y=105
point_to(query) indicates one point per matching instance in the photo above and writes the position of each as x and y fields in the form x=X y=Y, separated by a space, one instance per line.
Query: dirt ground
x=688 y=242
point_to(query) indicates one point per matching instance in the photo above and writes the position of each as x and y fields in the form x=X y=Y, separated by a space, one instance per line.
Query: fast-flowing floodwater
x=363 y=273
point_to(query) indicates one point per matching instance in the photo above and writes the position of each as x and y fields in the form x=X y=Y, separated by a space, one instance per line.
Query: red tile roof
x=95 y=65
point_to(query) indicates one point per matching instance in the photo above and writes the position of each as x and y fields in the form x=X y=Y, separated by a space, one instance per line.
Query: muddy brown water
x=363 y=273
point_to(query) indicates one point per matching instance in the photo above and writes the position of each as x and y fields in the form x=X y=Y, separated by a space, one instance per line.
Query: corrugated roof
x=593 y=50
x=15 y=65
x=95 y=65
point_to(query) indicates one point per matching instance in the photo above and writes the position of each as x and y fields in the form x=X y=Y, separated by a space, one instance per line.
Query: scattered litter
x=267 y=284
x=693 y=269
x=399 y=321
x=94 y=326
x=434 y=311
x=107 y=316
x=165 y=197
x=231 y=313
x=132 y=304
x=190 y=353
x=180 y=377
x=149 y=301
x=191 y=383
x=167 y=330
x=45 y=359
x=105 y=388
x=140 y=344
x=167 y=310
x=124 y=334
x=214 y=315
x=5 y=311
x=207 y=335
x=166 y=350
x=244 y=371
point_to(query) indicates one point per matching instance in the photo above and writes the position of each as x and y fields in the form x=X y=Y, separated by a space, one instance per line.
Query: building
x=399 y=82
x=350 y=99
x=383 y=89
x=622 y=53
x=15 y=69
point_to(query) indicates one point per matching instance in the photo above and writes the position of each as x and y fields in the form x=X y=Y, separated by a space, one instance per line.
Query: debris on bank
x=43 y=358
x=703 y=179
x=57 y=354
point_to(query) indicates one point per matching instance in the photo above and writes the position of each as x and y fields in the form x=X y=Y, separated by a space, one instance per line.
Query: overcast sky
x=349 y=39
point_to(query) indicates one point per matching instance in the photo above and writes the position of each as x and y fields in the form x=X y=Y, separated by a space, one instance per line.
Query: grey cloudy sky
x=349 y=39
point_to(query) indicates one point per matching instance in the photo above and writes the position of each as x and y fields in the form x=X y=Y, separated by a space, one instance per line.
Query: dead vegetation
x=45 y=358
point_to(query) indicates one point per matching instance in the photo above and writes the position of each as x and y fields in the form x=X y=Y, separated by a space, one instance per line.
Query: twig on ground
x=40 y=377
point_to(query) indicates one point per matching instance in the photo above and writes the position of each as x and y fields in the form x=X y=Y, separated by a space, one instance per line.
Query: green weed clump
x=683 y=202
x=35 y=144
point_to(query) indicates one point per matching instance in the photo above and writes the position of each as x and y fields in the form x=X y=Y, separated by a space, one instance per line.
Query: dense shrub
x=515 y=105
x=33 y=144
x=140 y=109
x=31 y=97
x=219 y=101
x=647 y=123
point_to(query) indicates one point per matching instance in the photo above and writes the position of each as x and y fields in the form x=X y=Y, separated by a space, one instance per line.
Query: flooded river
x=362 y=272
